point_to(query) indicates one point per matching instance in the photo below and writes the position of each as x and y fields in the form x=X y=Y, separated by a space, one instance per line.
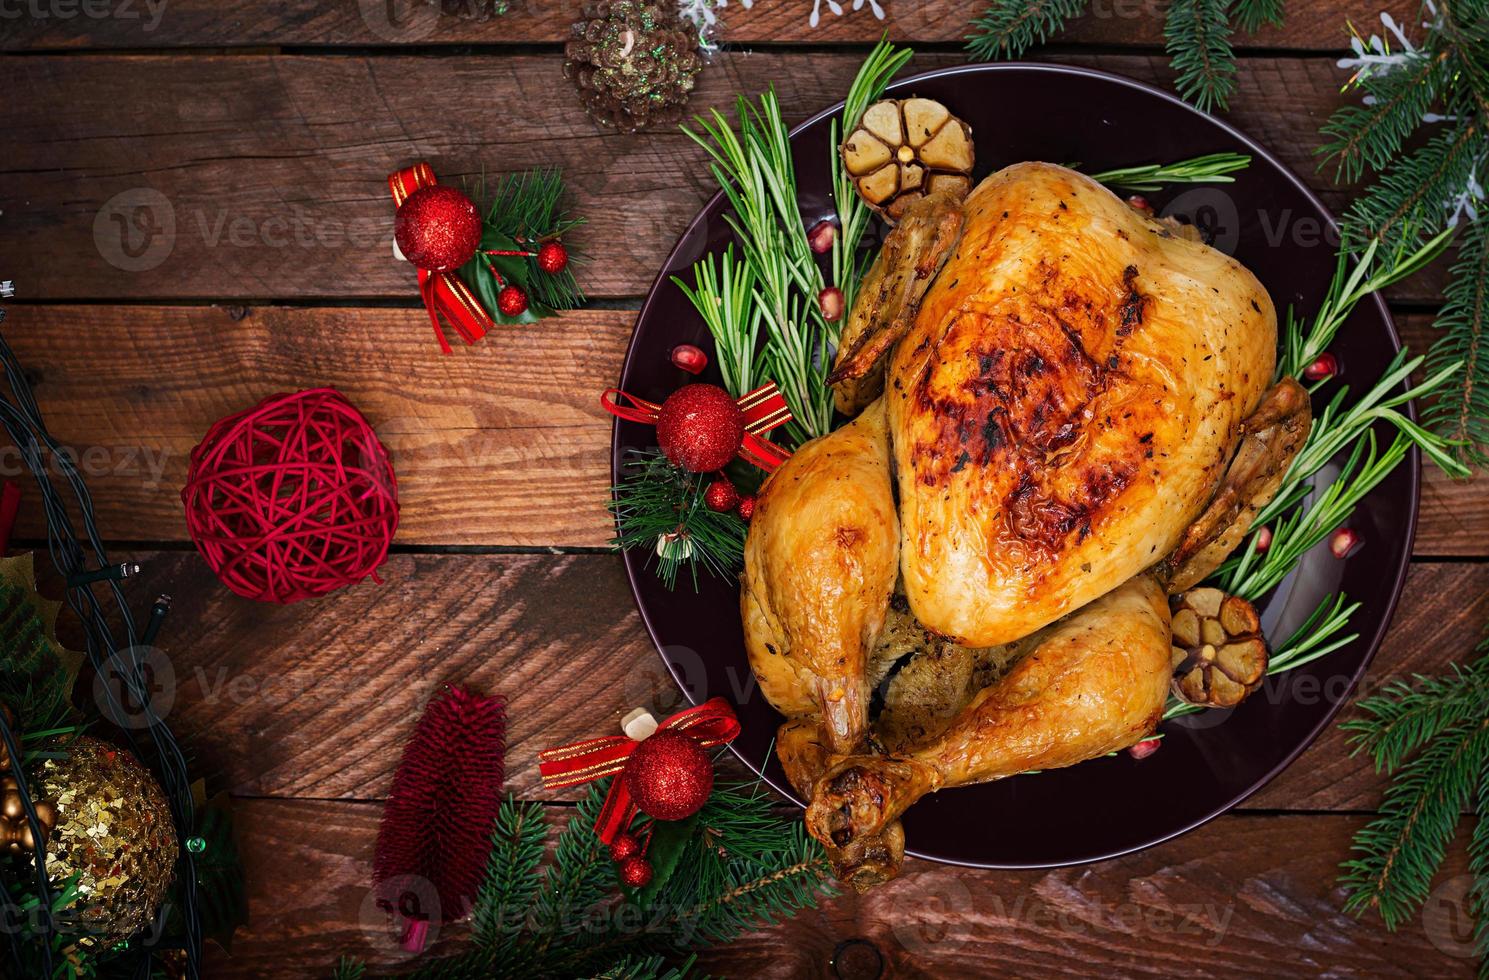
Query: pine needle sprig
x=1197 y=38
x=526 y=209
x=1252 y=15
x=656 y=500
x=1213 y=168
x=1398 y=853
x=1462 y=415
x=1007 y=29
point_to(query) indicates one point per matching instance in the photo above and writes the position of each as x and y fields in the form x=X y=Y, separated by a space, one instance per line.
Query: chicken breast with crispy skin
x=1065 y=403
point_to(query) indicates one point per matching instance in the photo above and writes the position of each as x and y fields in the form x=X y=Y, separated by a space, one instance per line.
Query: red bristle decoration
x=437 y=822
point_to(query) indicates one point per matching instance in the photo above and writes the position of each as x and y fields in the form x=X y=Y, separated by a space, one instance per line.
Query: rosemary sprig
x=1213 y=168
x=754 y=167
x=882 y=64
x=657 y=501
x=725 y=299
x=1303 y=343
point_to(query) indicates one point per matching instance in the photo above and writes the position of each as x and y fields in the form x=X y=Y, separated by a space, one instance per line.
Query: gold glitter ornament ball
x=114 y=831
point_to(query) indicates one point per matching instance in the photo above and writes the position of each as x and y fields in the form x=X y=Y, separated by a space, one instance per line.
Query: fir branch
x=656 y=500
x=1403 y=717
x=1462 y=415
x=1197 y=38
x=1008 y=28
x=511 y=882
x=1371 y=135
x=1213 y=168
x=1252 y=15
x=1408 y=202
x=1398 y=852
x=1478 y=866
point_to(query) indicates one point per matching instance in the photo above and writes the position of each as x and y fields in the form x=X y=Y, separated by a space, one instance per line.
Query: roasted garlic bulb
x=1218 y=655
x=904 y=149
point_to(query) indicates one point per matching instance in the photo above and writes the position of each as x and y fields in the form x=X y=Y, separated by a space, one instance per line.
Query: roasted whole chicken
x=1065 y=414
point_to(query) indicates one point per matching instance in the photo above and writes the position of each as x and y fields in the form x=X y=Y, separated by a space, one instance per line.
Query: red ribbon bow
x=444 y=293
x=764 y=409
x=710 y=723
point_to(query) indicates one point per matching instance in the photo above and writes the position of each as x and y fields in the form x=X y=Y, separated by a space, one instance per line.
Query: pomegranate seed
x=821 y=236
x=1144 y=748
x=1325 y=366
x=1345 y=542
x=1139 y=203
x=746 y=508
x=831 y=301
x=691 y=359
x=1263 y=540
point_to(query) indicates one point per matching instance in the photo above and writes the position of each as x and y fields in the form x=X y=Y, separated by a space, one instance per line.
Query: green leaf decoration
x=669 y=839
x=1008 y=28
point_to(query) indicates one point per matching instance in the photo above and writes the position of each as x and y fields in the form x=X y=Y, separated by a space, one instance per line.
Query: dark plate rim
x=1413 y=459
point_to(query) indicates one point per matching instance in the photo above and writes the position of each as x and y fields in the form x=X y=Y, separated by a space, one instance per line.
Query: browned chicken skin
x=1055 y=449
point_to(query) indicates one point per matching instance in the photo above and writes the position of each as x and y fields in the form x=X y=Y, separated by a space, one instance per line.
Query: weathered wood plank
x=1237 y=897
x=239 y=23
x=263 y=177
x=317 y=699
x=503 y=443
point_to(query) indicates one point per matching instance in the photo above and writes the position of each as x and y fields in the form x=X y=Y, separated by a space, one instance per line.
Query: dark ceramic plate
x=1209 y=762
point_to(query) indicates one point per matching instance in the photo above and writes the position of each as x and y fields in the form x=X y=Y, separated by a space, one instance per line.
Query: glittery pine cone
x=634 y=63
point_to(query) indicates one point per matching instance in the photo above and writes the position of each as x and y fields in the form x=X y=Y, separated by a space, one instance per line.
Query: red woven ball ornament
x=293 y=498
x=669 y=776
x=437 y=227
x=700 y=427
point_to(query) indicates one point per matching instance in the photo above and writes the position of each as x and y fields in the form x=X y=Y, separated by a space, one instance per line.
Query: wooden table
x=264 y=132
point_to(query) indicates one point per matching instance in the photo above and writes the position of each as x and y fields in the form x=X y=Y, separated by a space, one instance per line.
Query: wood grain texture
x=264 y=176
x=499 y=444
x=1246 y=895
x=317 y=699
x=238 y=23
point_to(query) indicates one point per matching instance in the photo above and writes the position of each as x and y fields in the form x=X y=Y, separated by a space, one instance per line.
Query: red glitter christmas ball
x=700 y=428
x=721 y=496
x=512 y=301
x=293 y=498
x=635 y=872
x=669 y=776
x=438 y=228
x=553 y=258
x=747 y=508
x=623 y=847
